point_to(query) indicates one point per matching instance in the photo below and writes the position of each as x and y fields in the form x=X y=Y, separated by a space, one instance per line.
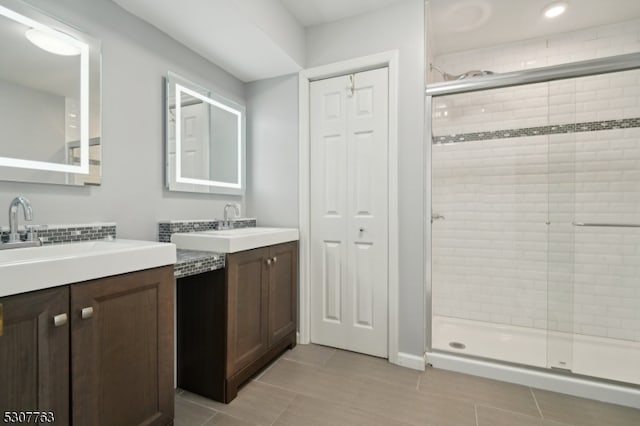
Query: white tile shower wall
x=494 y=257
x=598 y=98
x=489 y=253
x=606 y=269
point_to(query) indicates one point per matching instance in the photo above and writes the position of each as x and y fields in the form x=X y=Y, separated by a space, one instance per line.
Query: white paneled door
x=349 y=212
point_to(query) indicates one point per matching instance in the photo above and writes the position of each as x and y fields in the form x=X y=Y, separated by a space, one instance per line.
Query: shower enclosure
x=535 y=227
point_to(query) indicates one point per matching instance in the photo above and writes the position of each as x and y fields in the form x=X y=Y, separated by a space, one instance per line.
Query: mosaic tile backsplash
x=191 y=262
x=168 y=227
x=591 y=126
x=58 y=234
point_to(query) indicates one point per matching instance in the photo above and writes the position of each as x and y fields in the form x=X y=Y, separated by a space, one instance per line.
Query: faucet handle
x=32 y=231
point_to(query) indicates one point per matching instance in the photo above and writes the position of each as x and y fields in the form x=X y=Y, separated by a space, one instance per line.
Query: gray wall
x=272 y=151
x=397 y=27
x=135 y=58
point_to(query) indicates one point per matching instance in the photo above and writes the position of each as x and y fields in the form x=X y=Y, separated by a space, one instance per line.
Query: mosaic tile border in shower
x=168 y=227
x=192 y=262
x=589 y=126
x=59 y=234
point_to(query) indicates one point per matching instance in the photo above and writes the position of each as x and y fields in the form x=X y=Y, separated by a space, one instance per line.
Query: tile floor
x=315 y=385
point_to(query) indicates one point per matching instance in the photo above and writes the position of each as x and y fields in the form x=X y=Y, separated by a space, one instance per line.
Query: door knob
x=361 y=229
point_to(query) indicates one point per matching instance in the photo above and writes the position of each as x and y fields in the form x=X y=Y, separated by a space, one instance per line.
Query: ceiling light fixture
x=555 y=9
x=51 y=42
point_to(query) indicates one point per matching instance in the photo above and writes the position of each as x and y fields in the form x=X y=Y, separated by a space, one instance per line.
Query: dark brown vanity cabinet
x=122 y=349
x=232 y=322
x=98 y=352
x=34 y=355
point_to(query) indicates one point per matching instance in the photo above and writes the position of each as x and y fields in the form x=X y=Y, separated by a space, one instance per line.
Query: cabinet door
x=34 y=354
x=283 y=288
x=247 y=307
x=122 y=349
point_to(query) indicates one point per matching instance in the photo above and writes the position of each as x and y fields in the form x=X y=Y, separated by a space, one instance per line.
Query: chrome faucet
x=13 y=216
x=236 y=209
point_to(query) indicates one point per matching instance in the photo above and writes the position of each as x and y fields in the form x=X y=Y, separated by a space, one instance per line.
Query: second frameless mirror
x=205 y=146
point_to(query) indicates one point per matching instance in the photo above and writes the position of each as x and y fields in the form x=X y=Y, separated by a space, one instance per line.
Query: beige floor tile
x=483 y=391
x=222 y=419
x=188 y=413
x=310 y=411
x=354 y=364
x=310 y=354
x=489 y=416
x=257 y=402
x=584 y=412
x=319 y=386
x=414 y=407
x=308 y=380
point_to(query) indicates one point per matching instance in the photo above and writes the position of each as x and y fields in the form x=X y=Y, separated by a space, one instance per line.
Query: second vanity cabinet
x=102 y=348
x=232 y=323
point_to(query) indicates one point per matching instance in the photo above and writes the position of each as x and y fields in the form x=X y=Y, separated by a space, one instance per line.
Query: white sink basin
x=234 y=240
x=35 y=268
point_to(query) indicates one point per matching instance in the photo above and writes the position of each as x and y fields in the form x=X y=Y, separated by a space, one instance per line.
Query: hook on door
x=352 y=84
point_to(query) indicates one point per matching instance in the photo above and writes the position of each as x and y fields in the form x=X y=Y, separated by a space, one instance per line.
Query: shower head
x=449 y=77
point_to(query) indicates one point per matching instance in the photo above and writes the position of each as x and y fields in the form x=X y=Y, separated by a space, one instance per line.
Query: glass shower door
x=594 y=236
x=536 y=225
x=490 y=184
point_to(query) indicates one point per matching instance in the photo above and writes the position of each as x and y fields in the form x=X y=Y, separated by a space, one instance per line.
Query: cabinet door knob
x=86 y=312
x=275 y=259
x=268 y=261
x=60 y=320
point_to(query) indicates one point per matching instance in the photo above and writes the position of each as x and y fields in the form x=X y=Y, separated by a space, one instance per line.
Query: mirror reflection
x=205 y=140
x=49 y=100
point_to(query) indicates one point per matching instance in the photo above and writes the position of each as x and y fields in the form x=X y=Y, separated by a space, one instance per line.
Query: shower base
x=598 y=357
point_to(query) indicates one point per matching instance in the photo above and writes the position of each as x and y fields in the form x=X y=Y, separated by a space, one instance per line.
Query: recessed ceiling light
x=50 y=42
x=555 y=9
x=467 y=15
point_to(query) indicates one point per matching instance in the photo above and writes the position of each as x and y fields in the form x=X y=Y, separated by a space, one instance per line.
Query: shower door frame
x=586 y=68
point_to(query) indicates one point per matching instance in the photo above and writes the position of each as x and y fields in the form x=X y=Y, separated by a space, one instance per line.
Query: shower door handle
x=436 y=216
x=609 y=225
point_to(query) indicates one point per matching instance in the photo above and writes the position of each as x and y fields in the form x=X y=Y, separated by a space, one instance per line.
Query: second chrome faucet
x=236 y=209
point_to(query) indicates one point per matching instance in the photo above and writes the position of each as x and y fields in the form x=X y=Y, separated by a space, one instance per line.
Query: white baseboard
x=414 y=362
x=577 y=386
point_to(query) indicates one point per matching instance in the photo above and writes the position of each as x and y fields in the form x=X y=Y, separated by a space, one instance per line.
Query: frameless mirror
x=205 y=143
x=49 y=99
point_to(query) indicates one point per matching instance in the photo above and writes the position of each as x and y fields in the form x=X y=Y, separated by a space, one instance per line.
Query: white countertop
x=35 y=268
x=234 y=240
